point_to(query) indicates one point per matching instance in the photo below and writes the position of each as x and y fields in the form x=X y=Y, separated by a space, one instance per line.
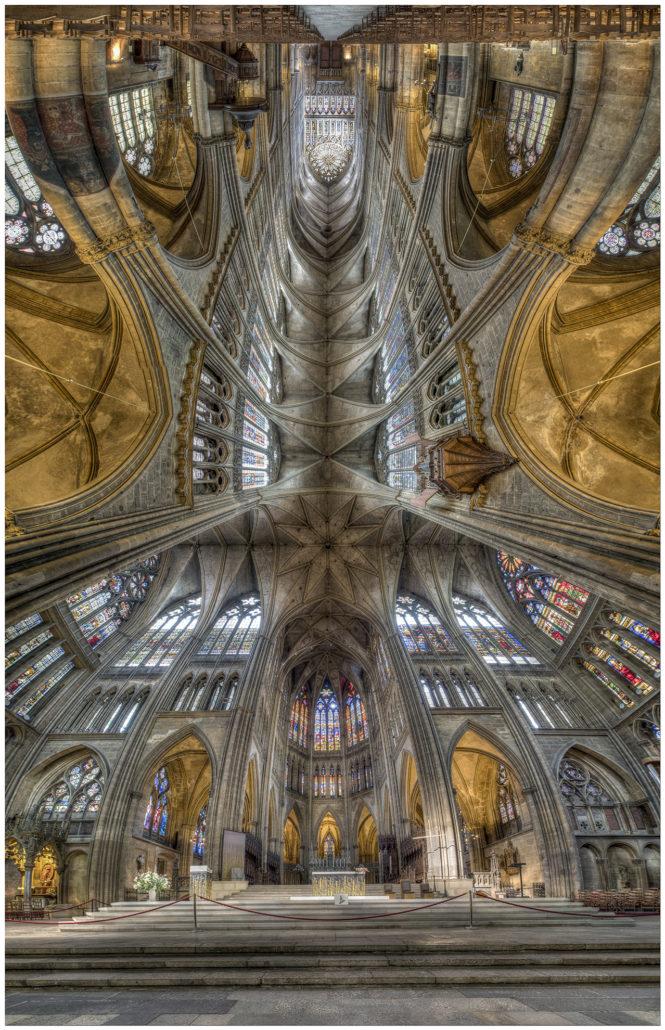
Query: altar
x=327 y=882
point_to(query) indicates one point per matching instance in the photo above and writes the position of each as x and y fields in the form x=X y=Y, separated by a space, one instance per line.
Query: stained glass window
x=420 y=628
x=326 y=722
x=257 y=452
x=30 y=224
x=493 y=642
x=76 y=795
x=508 y=810
x=552 y=604
x=133 y=117
x=18 y=628
x=624 y=700
x=652 y=636
x=637 y=683
x=200 y=833
x=102 y=608
x=356 y=717
x=235 y=630
x=527 y=128
x=28 y=674
x=159 y=646
x=329 y=132
x=299 y=719
x=638 y=228
x=157 y=814
x=632 y=649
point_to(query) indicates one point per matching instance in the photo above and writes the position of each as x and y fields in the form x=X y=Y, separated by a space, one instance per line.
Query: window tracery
x=326 y=720
x=592 y=806
x=507 y=802
x=101 y=608
x=552 y=604
x=30 y=224
x=420 y=628
x=527 y=127
x=75 y=796
x=329 y=131
x=159 y=646
x=638 y=229
x=448 y=408
x=493 y=642
x=209 y=451
x=133 y=118
x=235 y=630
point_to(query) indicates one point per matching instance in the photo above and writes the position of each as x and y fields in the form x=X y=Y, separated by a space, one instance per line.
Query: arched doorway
x=590 y=871
x=413 y=848
x=368 y=845
x=494 y=816
x=170 y=830
x=293 y=868
x=652 y=858
x=329 y=838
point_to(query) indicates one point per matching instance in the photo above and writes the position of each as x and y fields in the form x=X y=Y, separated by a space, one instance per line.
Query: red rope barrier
x=335 y=919
x=108 y=919
x=558 y=912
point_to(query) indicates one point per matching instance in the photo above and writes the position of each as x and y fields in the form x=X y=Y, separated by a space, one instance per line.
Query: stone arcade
x=332 y=485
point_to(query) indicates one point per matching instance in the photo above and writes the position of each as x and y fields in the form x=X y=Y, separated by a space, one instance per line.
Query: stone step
x=393 y=976
x=437 y=958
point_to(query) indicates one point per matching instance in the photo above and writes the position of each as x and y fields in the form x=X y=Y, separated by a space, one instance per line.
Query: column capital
x=129 y=240
x=439 y=140
x=540 y=241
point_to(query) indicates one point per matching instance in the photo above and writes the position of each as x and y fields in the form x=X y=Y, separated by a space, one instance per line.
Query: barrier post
x=470 y=926
x=195 y=922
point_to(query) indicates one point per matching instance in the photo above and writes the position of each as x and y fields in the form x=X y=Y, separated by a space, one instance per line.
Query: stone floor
x=480 y=1006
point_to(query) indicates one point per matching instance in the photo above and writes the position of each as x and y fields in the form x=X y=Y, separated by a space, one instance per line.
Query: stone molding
x=441 y=142
x=540 y=241
x=129 y=241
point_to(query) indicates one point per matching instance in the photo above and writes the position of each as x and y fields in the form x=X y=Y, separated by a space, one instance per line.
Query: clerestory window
x=30 y=224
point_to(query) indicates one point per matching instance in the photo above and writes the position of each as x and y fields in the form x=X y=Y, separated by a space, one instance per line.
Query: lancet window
x=75 y=796
x=159 y=646
x=326 y=720
x=200 y=833
x=508 y=809
x=133 y=117
x=33 y=657
x=552 y=604
x=622 y=651
x=545 y=706
x=638 y=229
x=101 y=608
x=489 y=637
x=236 y=630
x=527 y=127
x=209 y=451
x=356 y=718
x=420 y=628
x=361 y=776
x=397 y=453
x=258 y=451
x=298 y=724
x=30 y=224
x=600 y=674
x=157 y=812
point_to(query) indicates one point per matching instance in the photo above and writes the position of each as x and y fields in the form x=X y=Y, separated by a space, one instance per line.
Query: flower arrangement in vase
x=151 y=882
